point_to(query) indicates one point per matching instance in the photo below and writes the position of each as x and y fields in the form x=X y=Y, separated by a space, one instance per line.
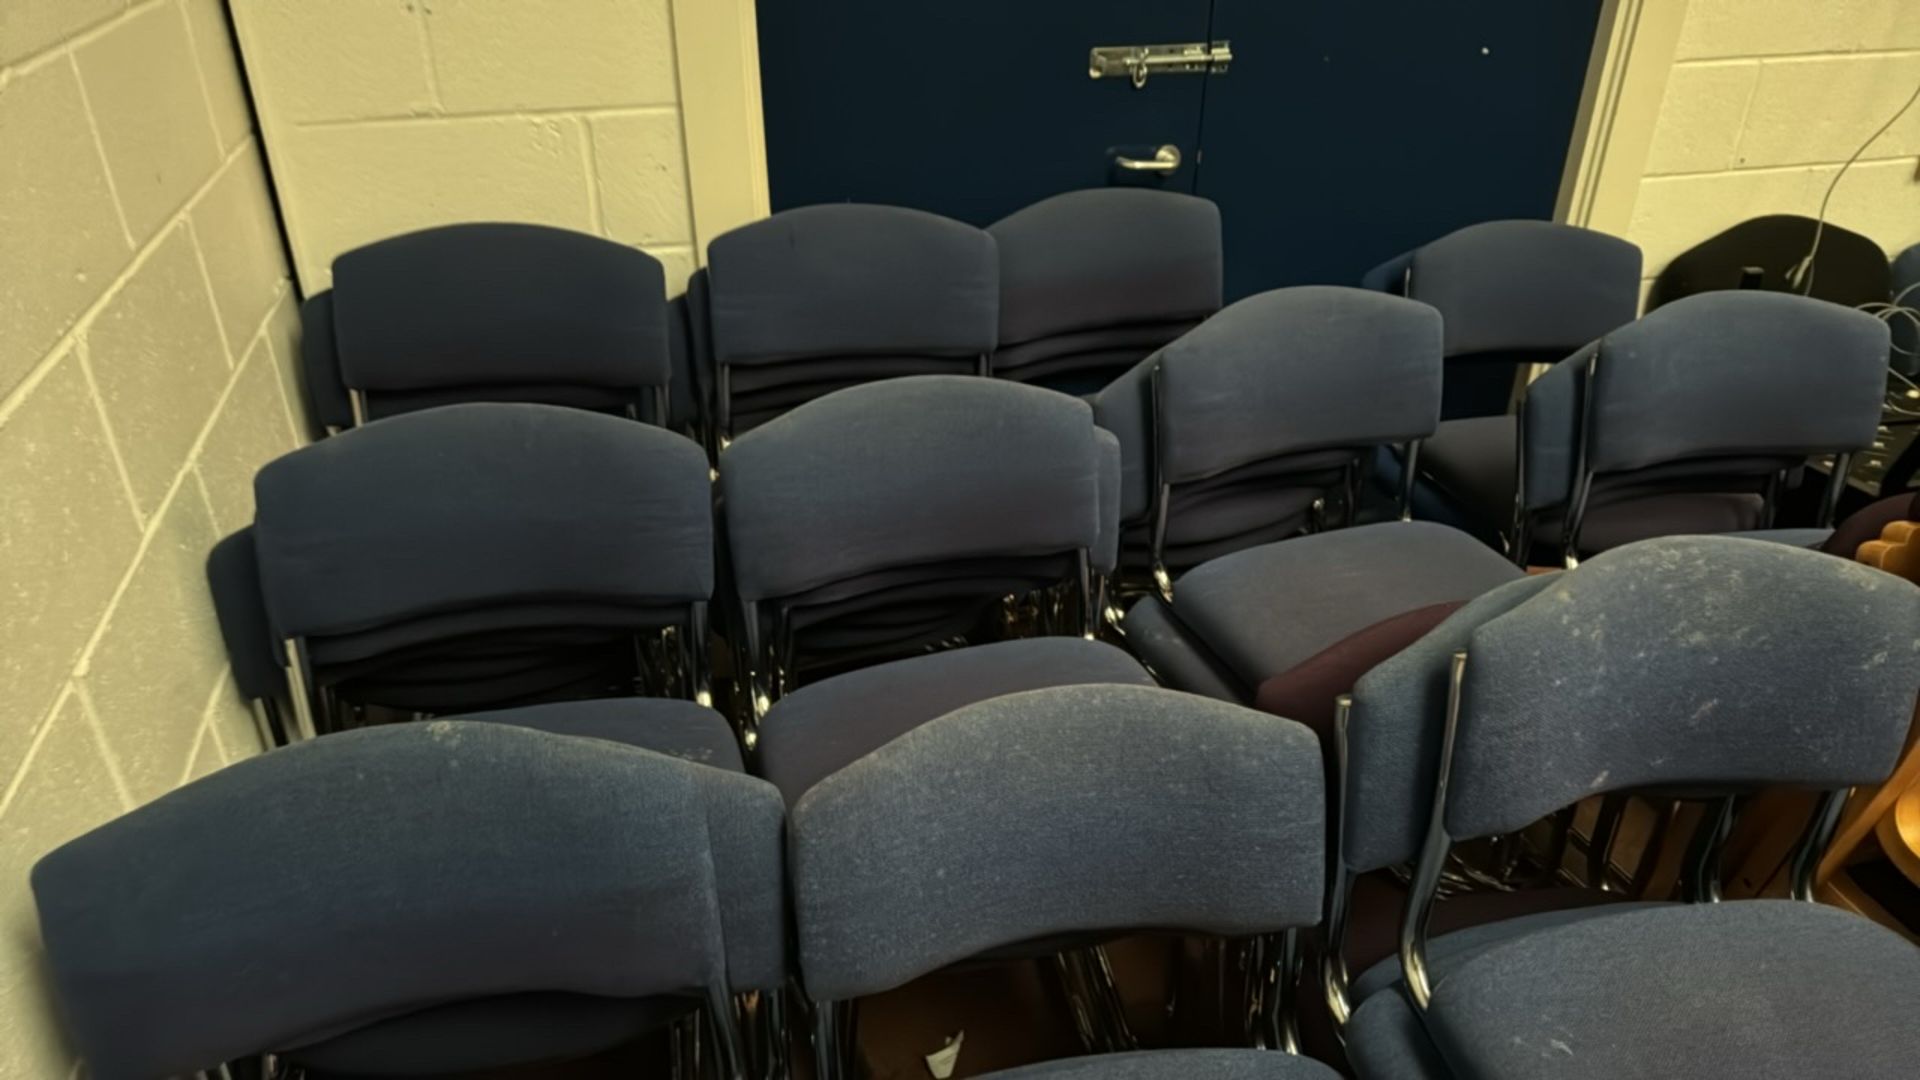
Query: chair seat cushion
x=1175 y=1065
x=1265 y=610
x=1755 y=988
x=669 y=726
x=819 y=729
x=1306 y=691
x=1806 y=538
x=1472 y=461
x=1386 y=1040
x=1545 y=909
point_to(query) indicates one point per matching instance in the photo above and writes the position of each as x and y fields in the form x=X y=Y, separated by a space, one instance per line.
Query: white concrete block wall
x=1765 y=100
x=384 y=116
x=146 y=341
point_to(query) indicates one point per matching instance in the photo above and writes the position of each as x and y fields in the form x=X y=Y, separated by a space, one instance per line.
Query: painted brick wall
x=146 y=329
x=384 y=116
x=1765 y=100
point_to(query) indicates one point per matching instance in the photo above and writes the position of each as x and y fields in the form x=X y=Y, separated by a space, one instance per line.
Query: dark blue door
x=971 y=109
x=1347 y=132
x=1344 y=131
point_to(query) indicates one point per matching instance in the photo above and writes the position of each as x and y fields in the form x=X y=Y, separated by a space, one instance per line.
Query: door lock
x=1136 y=62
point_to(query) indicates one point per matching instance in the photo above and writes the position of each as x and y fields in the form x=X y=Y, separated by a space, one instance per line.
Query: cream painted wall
x=1763 y=102
x=384 y=116
x=146 y=338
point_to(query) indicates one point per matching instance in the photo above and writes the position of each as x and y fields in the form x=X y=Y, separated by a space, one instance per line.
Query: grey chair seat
x=1386 y=1040
x=819 y=729
x=1448 y=952
x=1175 y=1065
x=1806 y=538
x=679 y=729
x=1472 y=462
x=1748 y=989
x=1261 y=611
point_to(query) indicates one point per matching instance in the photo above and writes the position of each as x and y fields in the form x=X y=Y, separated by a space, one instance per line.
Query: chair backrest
x=1284 y=389
x=442 y=527
x=1756 y=381
x=1515 y=292
x=496 y=312
x=1906 y=327
x=998 y=824
x=539 y=863
x=826 y=296
x=947 y=491
x=233 y=579
x=1093 y=281
x=1697 y=661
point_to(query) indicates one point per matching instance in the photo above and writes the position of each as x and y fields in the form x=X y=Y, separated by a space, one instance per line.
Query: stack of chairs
x=1014 y=672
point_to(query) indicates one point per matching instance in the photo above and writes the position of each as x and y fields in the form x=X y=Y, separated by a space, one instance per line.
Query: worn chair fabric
x=1694 y=409
x=1258 y=613
x=996 y=824
x=1093 y=281
x=1514 y=293
x=588 y=870
x=818 y=298
x=1175 y=1065
x=1244 y=423
x=667 y=726
x=482 y=554
x=489 y=312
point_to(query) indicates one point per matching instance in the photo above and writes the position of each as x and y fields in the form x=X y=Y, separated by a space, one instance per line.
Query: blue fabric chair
x=1682 y=422
x=1092 y=282
x=819 y=298
x=484 y=555
x=487 y=312
x=1245 y=429
x=995 y=827
x=1514 y=293
x=1594 y=682
x=887 y=519
x=1906 y=328
x=547 y=898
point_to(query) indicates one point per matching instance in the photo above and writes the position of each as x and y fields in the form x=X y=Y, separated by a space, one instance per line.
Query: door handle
x=1164 y=160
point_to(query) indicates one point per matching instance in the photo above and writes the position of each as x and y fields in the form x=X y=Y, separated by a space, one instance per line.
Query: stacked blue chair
x=1091 y=282
x=1514 y=293
x=1710 y=666
x=812 y=300
x=1683 y=422
x=885 y=520
x=475 y=896
x=1060 y=814
x=1245 y=430
x=480 y=556
x=487 y=312
x=1906 y=301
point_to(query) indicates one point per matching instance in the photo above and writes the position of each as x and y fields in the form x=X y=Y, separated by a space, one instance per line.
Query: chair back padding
x=493 y=303
x=852 y=280
x=1906 y=294
x=454 y=861
x=1699 y=660
x=329 y=403
x=233 y=579
x=1086 y=260
x=1518 y=286
x=1722 y=374
x=998 y=824
x=479 y=506
x=908 y=472
x=1394 y=733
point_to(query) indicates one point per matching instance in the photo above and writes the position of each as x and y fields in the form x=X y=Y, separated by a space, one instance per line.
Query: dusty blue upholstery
x=1754 y=988
x=1697 y=660
x=233 y=578
x=668 y=726
x=818 y=729
x=996 y=824
x=1262 y=610
x=1092 y=281
x=820 y=297
x=1175 y=1065
x=585 y=868
x=1386 y=1040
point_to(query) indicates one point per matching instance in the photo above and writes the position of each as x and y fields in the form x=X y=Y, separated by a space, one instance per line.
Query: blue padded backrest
x=1507 y=286
x=1685 y=661
x=851 y=280
x=1307 y=368
x=327 y=396
x=998 y=824
x=481 y=505
x=1107 y=257
x=1906 y=329
x=1394 y=735
x=233 y=577
x=453 y=861
x=907 y=472
x=467 y=305
x=1717 y=374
